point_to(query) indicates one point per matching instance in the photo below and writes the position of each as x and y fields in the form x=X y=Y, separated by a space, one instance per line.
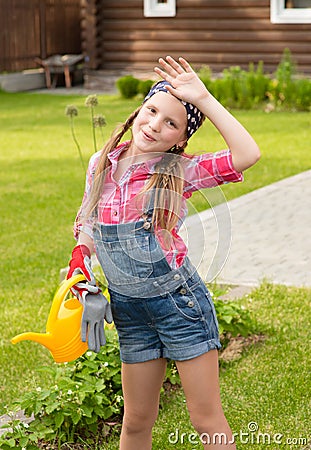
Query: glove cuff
x=83 y=249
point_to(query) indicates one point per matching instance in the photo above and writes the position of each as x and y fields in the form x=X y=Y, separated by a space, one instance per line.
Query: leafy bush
x=233 y=319
x=205 y=75
x=88 y=391
x=128 y=86
x=144 y=87
x=240 y=88
x=83 y=392
x=252 y=88
x=303 y=94
x=288 y=90
x=257 y=83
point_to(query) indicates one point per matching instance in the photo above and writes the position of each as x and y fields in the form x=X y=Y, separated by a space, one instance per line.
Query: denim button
x=190 y=304
x=183 y=291
x=147 y=225
x=176 y=277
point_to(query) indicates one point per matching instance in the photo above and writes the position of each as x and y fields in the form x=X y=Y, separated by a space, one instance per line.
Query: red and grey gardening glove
x=96 y=310
x=80 y=263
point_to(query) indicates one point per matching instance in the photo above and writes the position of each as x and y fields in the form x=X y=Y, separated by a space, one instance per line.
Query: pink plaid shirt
x=119 y=202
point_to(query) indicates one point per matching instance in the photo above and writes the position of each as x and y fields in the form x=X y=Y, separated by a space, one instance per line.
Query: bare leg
x=199 y=377
x=141 y=389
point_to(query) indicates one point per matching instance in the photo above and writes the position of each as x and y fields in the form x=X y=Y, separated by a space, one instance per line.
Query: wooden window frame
x=280 y=14
x=152 y=8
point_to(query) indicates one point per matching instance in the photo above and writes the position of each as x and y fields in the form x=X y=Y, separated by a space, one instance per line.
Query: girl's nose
x=154 y=124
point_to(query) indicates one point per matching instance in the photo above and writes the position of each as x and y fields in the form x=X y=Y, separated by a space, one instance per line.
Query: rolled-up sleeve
x=83 y=223
x=209 y=170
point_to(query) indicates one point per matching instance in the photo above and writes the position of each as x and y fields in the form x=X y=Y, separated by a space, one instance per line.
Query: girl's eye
x=152 y=110
x=171 y=123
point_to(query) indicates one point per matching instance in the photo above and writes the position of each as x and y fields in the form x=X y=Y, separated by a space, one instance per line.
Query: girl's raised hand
x=186 y=84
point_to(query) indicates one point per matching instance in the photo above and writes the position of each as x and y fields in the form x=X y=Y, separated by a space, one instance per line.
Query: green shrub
x=128 y=86
x=303 y=94
x=144 y=87
x=257 y=84
x=287 y=90
x=233 y=319
x=252 y=88
x=82 y=393
x=205 y=75
x=240 y=88
x=286 y=69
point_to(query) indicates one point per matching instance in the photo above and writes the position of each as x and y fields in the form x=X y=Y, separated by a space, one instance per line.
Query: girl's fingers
x=162 y=74
x=185 y=65
x=174 y=64
x=168 y=68
x=171 y=66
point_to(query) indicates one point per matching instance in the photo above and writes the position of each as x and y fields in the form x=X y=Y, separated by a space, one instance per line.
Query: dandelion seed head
x=71 y=111
x=91 y=100
x=99 y=121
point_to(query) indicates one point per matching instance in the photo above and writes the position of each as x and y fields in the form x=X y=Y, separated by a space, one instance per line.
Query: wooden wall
x=218 y=33
x=37 y=28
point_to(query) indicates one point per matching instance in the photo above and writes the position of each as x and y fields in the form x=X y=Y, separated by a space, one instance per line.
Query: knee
x=137 y=421
x=207 y=423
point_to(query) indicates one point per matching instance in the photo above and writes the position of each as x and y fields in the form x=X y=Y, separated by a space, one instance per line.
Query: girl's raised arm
x=187 y=86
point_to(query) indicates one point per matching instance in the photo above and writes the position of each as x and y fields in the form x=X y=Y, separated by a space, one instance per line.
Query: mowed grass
x=41 y=186
x=265 y=393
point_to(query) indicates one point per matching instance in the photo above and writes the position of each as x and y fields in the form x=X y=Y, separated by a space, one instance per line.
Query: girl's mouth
x=148 y=137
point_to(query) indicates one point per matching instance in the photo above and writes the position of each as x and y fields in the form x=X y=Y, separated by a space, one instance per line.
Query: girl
x=131 y=212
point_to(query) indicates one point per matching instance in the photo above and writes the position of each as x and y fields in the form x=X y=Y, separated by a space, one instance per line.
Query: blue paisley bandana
x=194 y=115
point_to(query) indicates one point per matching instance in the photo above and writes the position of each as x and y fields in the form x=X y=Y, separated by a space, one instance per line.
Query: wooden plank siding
x=218 y=33
x=37 y=28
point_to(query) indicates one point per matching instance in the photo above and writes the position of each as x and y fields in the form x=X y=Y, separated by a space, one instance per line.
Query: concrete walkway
x=270 y=234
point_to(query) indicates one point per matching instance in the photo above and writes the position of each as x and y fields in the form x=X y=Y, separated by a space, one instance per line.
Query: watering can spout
x=63 y=328
x=41 y=338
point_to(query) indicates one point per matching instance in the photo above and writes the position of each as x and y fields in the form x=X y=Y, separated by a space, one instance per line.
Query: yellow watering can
x=63 y=326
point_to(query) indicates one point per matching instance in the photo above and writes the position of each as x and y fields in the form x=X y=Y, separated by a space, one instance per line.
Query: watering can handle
x=61 y=295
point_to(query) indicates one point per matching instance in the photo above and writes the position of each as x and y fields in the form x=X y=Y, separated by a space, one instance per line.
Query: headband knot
x=194 y=115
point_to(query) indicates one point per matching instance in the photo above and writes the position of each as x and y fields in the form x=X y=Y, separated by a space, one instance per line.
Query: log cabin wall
x=219 y=33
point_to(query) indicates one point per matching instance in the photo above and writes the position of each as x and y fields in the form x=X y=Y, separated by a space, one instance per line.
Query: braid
x=104 y=163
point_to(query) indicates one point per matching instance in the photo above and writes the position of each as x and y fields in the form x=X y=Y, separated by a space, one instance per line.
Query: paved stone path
x=270 y=231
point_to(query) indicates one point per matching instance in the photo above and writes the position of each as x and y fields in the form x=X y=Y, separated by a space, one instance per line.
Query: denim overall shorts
x=159 y=312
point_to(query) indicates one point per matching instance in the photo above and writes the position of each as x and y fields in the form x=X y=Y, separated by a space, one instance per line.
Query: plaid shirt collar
x=148 y=165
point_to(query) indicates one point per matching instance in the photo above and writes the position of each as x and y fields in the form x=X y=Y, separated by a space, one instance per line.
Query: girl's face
x=160 y=124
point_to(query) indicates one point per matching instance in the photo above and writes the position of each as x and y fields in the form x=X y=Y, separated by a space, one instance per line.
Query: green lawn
x=270 y=385
x=40 y=190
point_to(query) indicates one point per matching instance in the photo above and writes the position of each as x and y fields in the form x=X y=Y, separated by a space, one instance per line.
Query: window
x=290 y=11
x=159 y=8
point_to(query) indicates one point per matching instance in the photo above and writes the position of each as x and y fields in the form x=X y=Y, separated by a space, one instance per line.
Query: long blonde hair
x=166 y=182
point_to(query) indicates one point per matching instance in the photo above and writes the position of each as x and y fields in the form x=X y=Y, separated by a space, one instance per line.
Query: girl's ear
x=182 y=144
